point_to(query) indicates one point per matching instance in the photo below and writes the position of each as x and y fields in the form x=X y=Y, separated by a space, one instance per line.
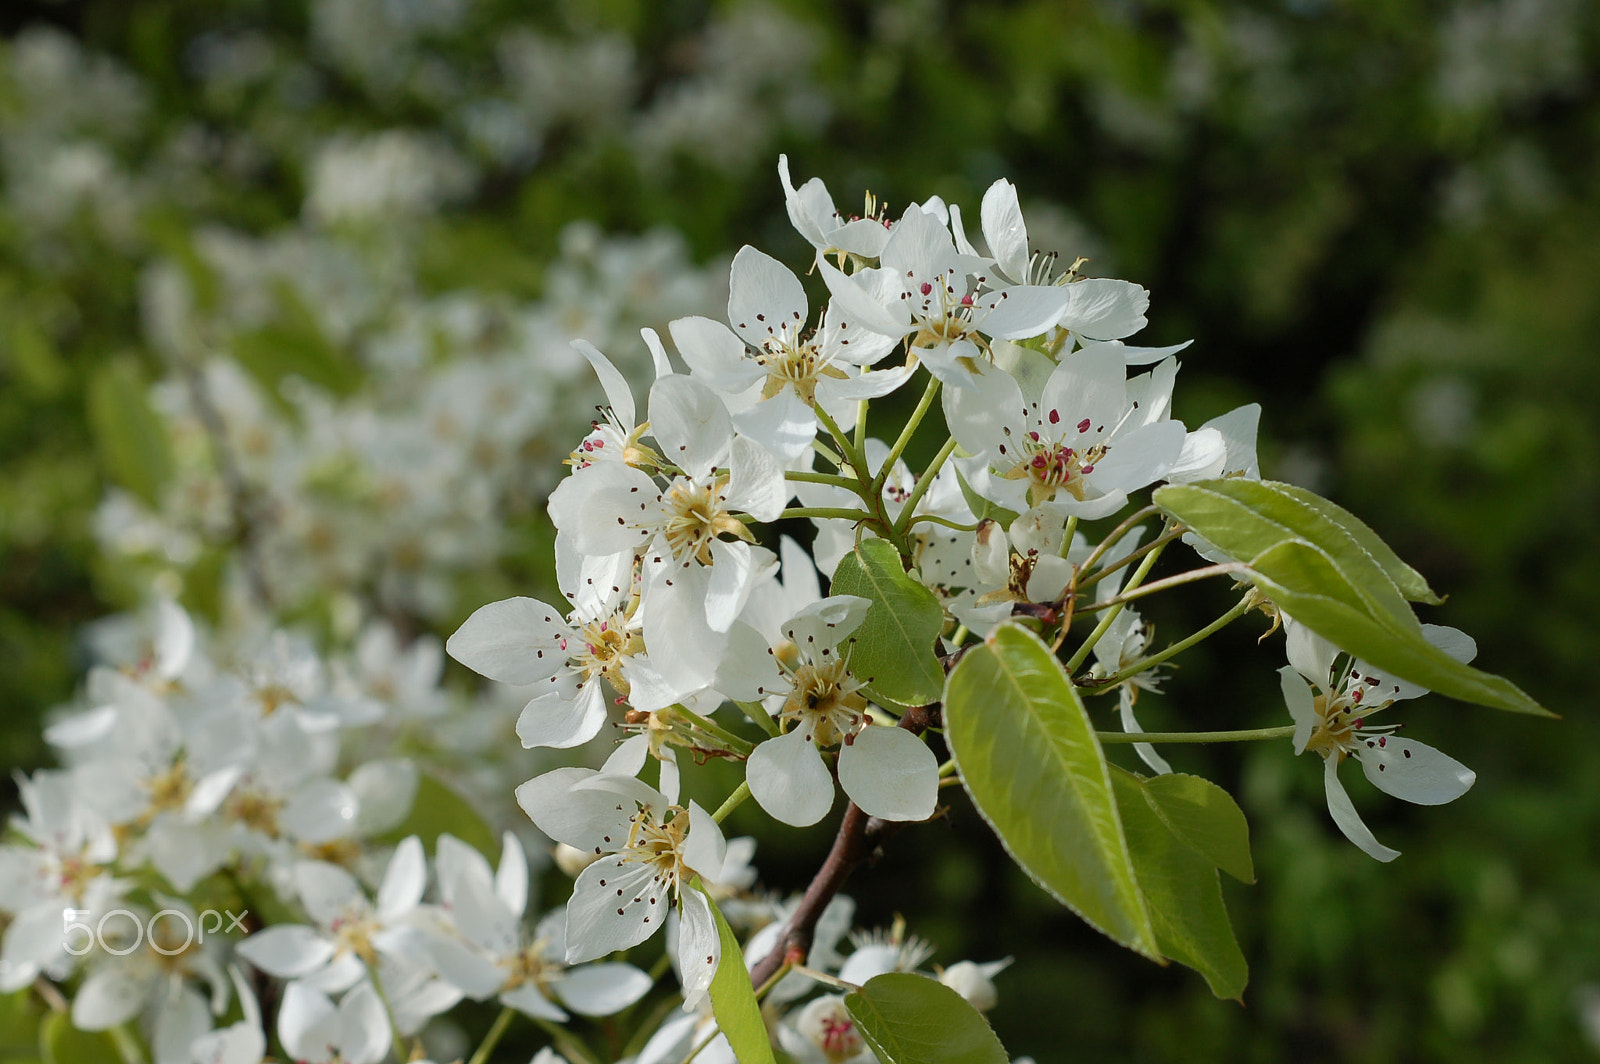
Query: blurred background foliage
x=1381 y=218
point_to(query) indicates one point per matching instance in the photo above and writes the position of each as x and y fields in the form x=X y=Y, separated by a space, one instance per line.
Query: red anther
x=1083 y=426
x=1087 y=470
x=1055 y=417
x=927 y=288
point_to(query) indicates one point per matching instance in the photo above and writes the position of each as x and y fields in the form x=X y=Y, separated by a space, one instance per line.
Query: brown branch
x=858 y=840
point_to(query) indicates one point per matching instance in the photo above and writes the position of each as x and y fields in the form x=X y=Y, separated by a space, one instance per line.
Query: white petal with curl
x=1345 y=816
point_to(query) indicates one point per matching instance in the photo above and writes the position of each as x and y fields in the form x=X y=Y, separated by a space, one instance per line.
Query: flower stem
x=735 y=800
x=802 y=476
x=924 y=482
x=717 y=731
x=861 y=425
x=1181 y=645
x=935 y=519
x=492 y=1039
x=1111 y=615
x=570 y=1045
x=1241 y=736
x=759 y=716
x=827 y=513
x=1225 y=569
x=906 y=433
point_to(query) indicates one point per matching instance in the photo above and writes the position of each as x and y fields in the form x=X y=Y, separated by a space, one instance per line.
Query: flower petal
x=1345 y=816
x=788 y=779
x=1413 y=771
x=616 y=904
x=890 y=774
x=516 y=640
x=602 y=989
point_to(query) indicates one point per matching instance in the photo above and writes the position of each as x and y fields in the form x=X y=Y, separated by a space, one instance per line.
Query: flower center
x=607 y=643
x=794 y=363
x=695 y=517
x=1052 y=466
x=354 y=932
x=826 y=702
x=657 y=844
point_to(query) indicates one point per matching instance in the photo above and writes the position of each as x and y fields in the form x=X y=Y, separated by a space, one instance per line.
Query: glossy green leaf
x=1247 y=519
x=895 y=644
x=129 y=437
x=911 y=1019
x=1411 y=583
x=1180 y=887
x=1206 y=818
x=1305 y=585
x=1325 y=574
x=733 y=999
x=438 y=809
x=1029 y=758
x=62 y=1043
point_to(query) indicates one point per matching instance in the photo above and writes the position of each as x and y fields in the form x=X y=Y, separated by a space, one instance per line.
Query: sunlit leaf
x=1205 y=817
x=1029 y=758
x=1181 y=889
x=911 y=1019
x=733 y=1000
x=895 y=644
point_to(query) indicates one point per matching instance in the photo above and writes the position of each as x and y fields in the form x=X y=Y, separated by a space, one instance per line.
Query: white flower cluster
x=191 y=780
x=398 y=486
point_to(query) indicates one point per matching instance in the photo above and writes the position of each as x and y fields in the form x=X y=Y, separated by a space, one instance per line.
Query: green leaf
x=438 y=809
x=19 y=1025
x=1181 y=888
x=1029 y=758
x=1323 y=571
x=911 y=1019
x=733 y=999
x=62 y=1043
x=1247 y=519
x=1305 y=585
x=130 y=439
x=1410 y=582
x=1206 y=818
x=895 y=644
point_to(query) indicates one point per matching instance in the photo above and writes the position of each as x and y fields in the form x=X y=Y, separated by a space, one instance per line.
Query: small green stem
x=127 y=1045
x=947 y=769
x=492 y=1039
x=935 y=519
x=924 y=482
x=1180 y=646
x=1203 y=573
x=766 y=987
x=828 y=513
x=1129 y=558
x=1241 y=736
x=851 y=454
x=717 y=731
x=906 y=433
x=861 y=426
x=1111 y=614
x=1115 y=534
x=1067 y=533
x=801 y=476
x=827 y=452
x=570 y=1045
x=735 y=800
x=759 y=716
